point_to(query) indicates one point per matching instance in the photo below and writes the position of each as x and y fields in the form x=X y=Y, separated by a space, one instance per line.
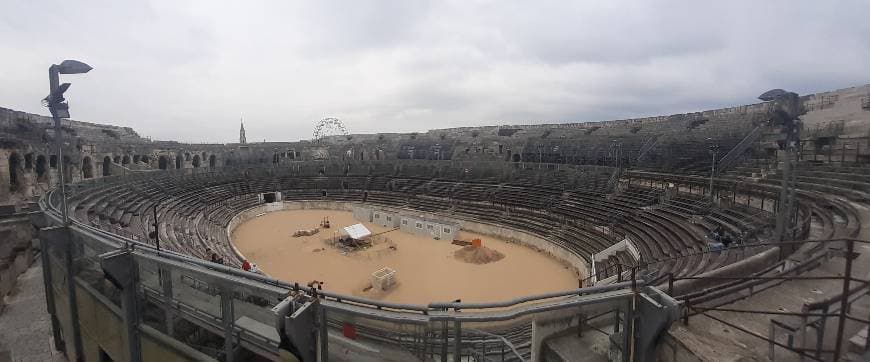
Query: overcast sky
x=188 y=70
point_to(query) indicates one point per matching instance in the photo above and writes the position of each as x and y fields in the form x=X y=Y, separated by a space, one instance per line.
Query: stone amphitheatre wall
x=847 y=111
x=17 y=236
x=28 y=163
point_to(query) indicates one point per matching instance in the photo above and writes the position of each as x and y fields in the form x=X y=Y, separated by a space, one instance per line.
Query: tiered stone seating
x=529 y=197
x=472 y=192
x=193 y=211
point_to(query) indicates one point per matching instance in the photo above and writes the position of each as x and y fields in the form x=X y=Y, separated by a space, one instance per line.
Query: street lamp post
x=60 y=109
x=615 y=147
x=156 y=230
x=714 y=149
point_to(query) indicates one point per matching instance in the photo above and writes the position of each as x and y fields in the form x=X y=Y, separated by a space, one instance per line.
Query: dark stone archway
x=107 y=166
x=87 y=167
x=14 y=174
x=40 y=168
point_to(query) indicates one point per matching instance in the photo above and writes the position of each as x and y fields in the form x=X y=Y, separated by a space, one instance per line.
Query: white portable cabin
x=412 y=224
x=363 y=214
x=436 y=229
x=385 y=218
x=382 y=217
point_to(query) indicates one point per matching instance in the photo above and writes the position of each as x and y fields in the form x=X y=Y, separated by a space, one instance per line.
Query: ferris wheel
x=329 y=127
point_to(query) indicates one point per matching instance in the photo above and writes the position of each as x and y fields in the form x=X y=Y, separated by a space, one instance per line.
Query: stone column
x=4 y=176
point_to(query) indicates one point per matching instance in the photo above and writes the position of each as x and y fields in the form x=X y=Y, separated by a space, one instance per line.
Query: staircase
x=734 y=155
x=614 y=179
x=647 y=146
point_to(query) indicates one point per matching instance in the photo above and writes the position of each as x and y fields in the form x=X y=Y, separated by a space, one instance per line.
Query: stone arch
x=196 y=161
x=40 y=168
x=162 y=162
x=28 y=162
x=187 y=156
x=87 y=167
x=212 y=161
x=14 y=173
x=117 y=159
x=204 y=157
x=125 y=160
x=136 y=158
x=179 y=161
x=516 y=157
x=107 y=166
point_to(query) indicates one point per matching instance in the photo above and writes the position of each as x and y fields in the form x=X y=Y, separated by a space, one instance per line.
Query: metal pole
x=713 y=150
x=72 y=303
x=156 y=231
x=49 y=294
x=323 y=335
x=844 y=300
x=228 y=322
x=166 y=280
x=782 y=205
x=457 y=341
x=54 y=84
x=131 y=315
x=444 y=341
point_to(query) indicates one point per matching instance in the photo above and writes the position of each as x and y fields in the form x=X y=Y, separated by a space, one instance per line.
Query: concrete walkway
x=25 y=327
x=718 y=342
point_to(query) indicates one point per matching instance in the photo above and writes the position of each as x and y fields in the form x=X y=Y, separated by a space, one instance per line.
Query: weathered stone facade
x=834 y=128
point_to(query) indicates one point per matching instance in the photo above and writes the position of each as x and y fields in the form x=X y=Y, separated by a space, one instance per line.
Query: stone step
x=592 y=347
x=858 y=342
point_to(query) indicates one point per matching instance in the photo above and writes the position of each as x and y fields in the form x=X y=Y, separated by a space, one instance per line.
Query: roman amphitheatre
x=728 y=234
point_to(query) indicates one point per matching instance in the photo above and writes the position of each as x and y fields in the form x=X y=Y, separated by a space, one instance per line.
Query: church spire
x=242 y=138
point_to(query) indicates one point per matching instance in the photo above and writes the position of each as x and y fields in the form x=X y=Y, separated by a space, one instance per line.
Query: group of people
x=720 y=236
x=214 y=257
x=250 y=267
x=246 y=265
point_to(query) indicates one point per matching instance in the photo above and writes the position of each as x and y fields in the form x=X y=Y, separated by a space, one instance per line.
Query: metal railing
x=433 y=314
x=166 y=278
x=812 y=314
x=733 y=155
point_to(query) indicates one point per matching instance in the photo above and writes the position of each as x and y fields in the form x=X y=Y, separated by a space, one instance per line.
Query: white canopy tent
x=357 y=231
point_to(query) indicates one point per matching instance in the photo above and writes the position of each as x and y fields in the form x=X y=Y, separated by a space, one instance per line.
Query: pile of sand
x=477 y=255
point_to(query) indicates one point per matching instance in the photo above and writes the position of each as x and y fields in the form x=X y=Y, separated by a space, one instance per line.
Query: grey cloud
x=187 y=70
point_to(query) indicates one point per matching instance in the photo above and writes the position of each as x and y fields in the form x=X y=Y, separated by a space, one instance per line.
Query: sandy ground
x=426 y=270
